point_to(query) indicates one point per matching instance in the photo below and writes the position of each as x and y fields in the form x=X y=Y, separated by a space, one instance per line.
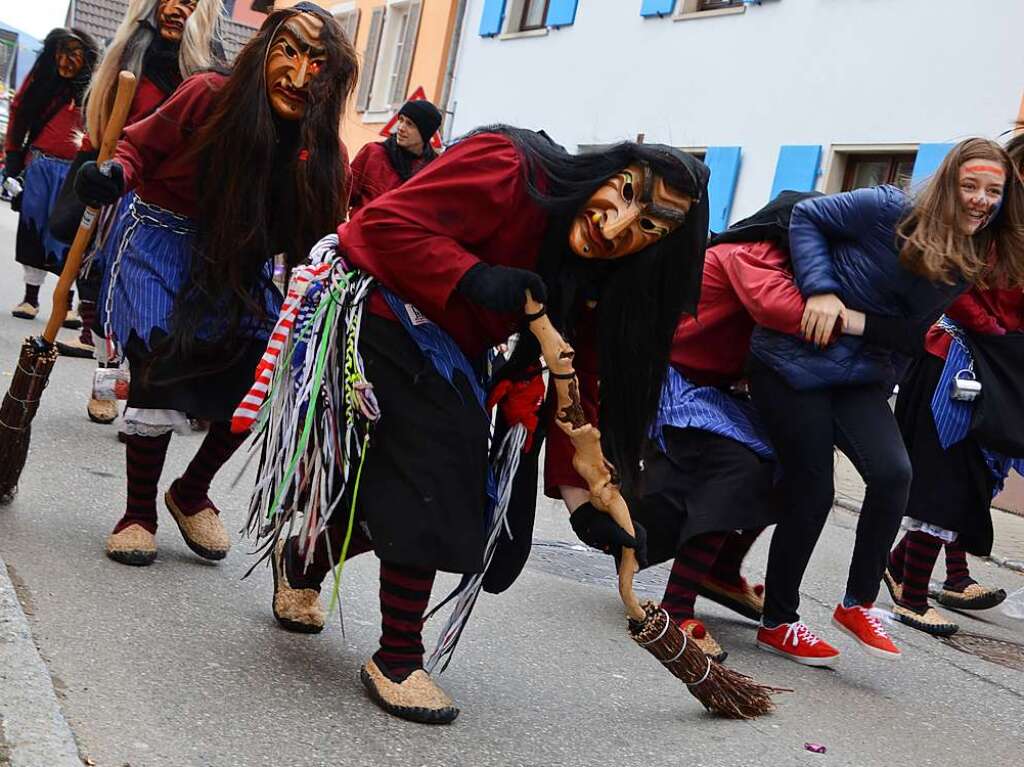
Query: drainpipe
x=447 y=107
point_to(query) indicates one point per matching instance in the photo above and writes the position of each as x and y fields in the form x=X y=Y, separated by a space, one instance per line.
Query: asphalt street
x=182 y=663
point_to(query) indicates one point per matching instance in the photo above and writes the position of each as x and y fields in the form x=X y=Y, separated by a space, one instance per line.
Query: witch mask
x=295 y=57
x=629 y=212
x=171 y=17
x=70 y=58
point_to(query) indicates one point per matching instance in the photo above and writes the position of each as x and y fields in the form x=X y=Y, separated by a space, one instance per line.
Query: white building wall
x=828 y=72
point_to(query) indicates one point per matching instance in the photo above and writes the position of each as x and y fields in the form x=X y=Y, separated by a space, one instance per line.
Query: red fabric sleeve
x=971 y=313
x=760 y=277
x=149 y=142
x=418 y=239
x=13 y=142
x=359 y=177
x=558 y=450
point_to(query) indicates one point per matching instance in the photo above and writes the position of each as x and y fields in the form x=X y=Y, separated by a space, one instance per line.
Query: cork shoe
x=296 y=610
x=202 y=530
x=416 y=698
x=740 y=597
x=134 y=545
x=101 y=411
x=72 y=321
x=973 y=597
x=698 y=634
x=25 y=311
x=895 y=589
x=930 y=621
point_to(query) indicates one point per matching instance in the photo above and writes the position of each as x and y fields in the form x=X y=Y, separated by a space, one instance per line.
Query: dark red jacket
x=744 y=284
x=374 y=175
x=148 y=97
x=471 y=205
x=993 y=312
x=58 y=138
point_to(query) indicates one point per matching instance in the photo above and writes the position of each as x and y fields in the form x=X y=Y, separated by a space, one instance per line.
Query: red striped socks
x=145 y=462
x=921 y=551
x=958 y=576
x=194 y=485
x=693 y=562
x=730 y=557
x=404 y=594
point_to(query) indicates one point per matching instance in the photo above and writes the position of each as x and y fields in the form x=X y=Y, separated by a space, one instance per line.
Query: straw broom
x=722 y=691
x=39 y=353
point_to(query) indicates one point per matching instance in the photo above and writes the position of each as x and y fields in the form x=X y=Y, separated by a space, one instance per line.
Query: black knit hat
x=424 y=115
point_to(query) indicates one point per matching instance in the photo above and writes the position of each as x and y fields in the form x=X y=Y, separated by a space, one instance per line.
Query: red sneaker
x=864 y=624
x=798 y=643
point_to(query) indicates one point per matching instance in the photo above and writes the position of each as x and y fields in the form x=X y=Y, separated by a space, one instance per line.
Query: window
x=348 y=17
x=714 y=5
x=534 y=14
x=388 y=58
x=875 y=169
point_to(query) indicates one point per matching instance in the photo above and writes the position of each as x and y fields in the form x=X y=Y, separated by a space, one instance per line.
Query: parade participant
x=453 y=251
x=956 y=471
x=902 y=262
x=709 y=470
x=228 y=172
x=381 y=166
x=160 y=42
x=46 y=115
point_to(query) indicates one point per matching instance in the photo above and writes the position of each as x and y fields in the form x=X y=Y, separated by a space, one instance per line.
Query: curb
x=33 y=731
x=1016 y=565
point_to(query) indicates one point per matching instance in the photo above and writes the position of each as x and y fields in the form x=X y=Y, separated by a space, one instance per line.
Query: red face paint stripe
x=985 y=169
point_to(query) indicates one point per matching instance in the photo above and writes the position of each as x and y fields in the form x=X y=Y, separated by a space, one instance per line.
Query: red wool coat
x=58 y=138
x=148 y=97
x=374 y=175
x=993 y=312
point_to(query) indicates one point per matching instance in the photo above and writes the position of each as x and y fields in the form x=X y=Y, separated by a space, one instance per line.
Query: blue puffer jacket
x=846 y=244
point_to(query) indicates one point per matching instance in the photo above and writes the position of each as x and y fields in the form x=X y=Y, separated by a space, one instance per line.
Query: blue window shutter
x=929 y=157
x=724 y=162
x=797 y=169
x=561 y=13
x=491 y=18
x=657 y=7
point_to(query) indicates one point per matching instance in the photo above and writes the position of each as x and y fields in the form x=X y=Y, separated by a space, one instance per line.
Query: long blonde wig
x=126 y=51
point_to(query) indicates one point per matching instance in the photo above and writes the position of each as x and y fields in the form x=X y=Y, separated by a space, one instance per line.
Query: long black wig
x=47 y=92
x=265 y=186
x=640 y=297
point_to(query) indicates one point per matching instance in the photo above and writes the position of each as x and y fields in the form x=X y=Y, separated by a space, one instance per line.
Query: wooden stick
x=589 y=460
x=111 y=133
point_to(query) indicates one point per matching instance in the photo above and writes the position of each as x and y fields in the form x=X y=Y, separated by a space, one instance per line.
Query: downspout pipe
x=446 y=105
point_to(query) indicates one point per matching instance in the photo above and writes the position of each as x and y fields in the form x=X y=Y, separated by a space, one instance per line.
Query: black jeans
x=804 y=426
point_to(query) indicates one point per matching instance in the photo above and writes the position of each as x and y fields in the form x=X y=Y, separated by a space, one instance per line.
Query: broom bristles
x=720 y=690
x=17 y=411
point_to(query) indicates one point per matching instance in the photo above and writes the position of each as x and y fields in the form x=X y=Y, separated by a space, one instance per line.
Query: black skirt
x=423 y=492
x=951 y=488
x=702 y=483
x=165 y=382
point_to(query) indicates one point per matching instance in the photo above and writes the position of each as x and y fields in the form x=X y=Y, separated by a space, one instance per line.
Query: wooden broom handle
x=111 y=133
x=588 y=460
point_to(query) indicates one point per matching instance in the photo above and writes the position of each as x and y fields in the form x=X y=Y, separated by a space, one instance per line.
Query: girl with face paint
x=876 y=268
x=454 y=250
x=46 y=115
x=957 y=471
x=223 y=180
x=160 y=42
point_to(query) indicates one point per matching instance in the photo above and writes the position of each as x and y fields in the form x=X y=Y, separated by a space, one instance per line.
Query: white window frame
x=689 y=10
x=342 y=12
x=510 y=25
x=835 y=169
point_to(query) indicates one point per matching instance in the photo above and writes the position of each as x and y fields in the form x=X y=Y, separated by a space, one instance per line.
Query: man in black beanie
x=380 y=167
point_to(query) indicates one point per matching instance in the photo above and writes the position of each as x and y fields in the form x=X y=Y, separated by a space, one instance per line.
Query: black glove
x=96 y=189
x=501 y=288
x=597 y=529
x=14 y=163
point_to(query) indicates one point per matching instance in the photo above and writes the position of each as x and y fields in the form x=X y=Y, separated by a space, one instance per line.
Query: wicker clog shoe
x=101 y=410
x=895 y=589
x=134 y=545
x=76 y=348
x=417 y=698
x=297 y=610
x=699 y=635
x=931 y=621
x=203 y=531
x=739 y=597
x=72 y=321
x=974 y=597
x=25 y=311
